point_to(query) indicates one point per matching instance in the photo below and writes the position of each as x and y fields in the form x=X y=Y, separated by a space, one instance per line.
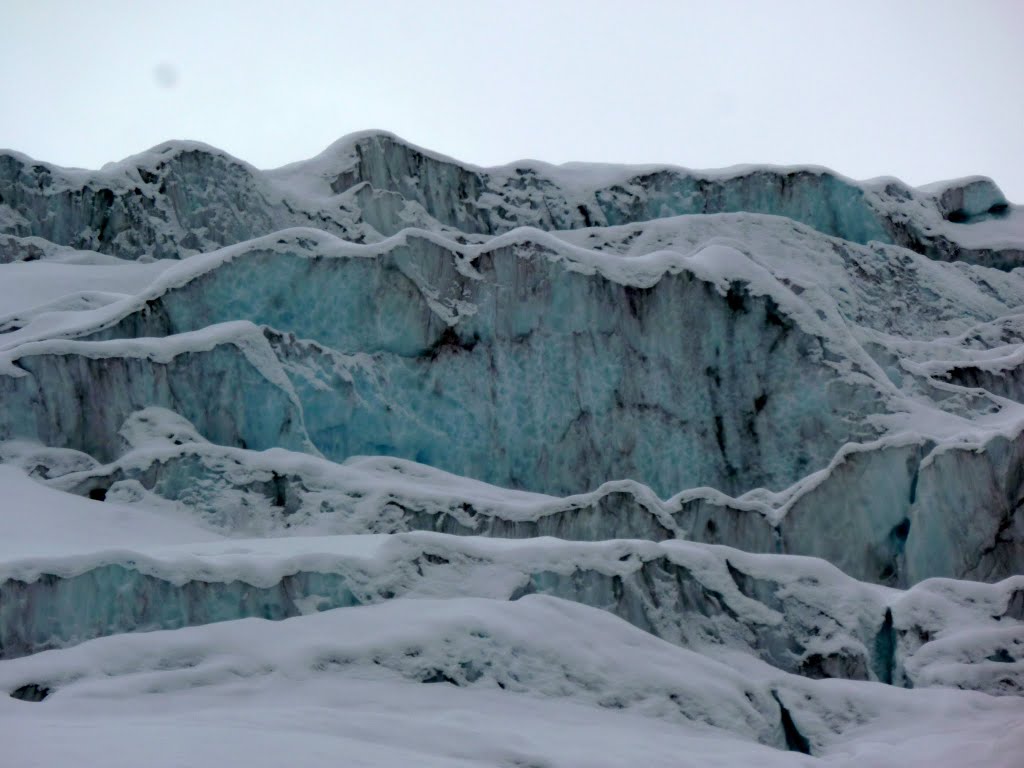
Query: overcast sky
x=920 y=90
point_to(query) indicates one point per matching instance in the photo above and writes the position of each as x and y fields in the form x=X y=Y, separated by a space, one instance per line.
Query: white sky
x=920 y=90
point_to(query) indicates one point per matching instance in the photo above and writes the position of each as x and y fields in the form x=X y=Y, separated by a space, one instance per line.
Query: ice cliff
x=764 y=414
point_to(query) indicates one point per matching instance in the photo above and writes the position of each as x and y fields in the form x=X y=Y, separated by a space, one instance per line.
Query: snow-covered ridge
x=878 y=498
x=184 y=197
x=478 y=648
x=797 y=614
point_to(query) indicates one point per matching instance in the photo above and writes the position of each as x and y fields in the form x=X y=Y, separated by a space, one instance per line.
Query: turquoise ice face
x=511 y=368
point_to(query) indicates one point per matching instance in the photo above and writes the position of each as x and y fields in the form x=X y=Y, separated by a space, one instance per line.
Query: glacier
x=733 y=456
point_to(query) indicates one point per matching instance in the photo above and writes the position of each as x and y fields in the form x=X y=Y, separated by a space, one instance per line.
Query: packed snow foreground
x=383 y=459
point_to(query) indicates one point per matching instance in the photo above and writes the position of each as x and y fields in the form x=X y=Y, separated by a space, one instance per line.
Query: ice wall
x=382 y=373
x=78 y=394
x=884 y=515
x=183 y=197
x=796 y=614
x=674 y=385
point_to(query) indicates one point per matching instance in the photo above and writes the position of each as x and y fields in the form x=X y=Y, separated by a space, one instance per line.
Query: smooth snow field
x=383 y=459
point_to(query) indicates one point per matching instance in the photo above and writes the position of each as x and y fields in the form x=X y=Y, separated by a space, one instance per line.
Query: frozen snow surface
x=384 y=459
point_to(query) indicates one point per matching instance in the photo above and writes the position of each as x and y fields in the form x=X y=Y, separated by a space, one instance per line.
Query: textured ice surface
x=797 y=614
x=455 y=656
x=183 y=197
x=430 y=403
x=875 y=496
x=74 y=394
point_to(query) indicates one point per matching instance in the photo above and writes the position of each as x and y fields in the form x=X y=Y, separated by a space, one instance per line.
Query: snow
x=362 y=722
x=1004 y=231
x=24 y=286
x=587 y=690
x=40 y=522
